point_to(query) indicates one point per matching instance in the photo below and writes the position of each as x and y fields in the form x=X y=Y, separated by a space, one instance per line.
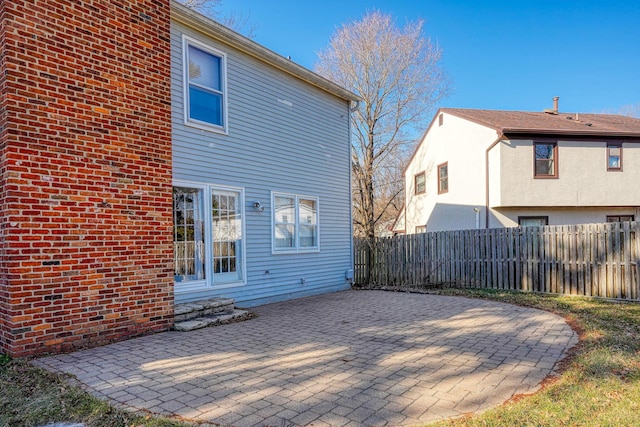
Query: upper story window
x=420 y=183
x=295 y=223
x=545 y=160
x=614 y=157
x=205 y=86
x=443 y=178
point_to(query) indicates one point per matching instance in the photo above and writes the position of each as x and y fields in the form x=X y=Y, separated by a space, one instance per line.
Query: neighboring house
x=152 y=156
x=385 y=229
x=485 y=169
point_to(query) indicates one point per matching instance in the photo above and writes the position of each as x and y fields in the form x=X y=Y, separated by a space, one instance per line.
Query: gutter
x=486 y=178
x=568 y=132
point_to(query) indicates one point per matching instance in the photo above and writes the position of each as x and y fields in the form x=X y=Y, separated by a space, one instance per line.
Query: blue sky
x=512 y=55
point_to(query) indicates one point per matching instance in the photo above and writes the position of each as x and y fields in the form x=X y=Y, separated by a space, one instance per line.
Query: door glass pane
x=188 y=234
x=227 y=236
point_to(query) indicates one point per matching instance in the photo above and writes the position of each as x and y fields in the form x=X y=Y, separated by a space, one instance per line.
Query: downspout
x=349 y=151
x=486 y=178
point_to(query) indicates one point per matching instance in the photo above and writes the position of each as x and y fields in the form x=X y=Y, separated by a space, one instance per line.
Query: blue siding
x=284 y=135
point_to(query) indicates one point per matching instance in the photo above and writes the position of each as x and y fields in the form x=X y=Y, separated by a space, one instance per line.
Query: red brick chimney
x=85 y=173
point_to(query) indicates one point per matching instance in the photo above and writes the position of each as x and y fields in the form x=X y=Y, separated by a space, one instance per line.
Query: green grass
x=599 y=384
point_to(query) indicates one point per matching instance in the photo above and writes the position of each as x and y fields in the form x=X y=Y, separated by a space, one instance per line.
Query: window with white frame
x=295 y=223
x=205 y=91
x=207 y=236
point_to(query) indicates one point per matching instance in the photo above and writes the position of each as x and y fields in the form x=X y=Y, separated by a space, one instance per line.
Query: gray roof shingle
x=508 y=122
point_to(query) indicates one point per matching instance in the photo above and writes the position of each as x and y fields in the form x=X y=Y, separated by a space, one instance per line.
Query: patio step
x=200 y=314
x=191 y=310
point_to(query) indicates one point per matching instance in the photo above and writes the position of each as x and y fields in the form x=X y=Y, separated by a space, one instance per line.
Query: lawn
x=599 y=384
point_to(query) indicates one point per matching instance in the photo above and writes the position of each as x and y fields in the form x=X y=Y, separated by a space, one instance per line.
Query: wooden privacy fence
x=590 y=259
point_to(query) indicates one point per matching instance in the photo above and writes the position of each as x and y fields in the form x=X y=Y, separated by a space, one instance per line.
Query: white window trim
x=296 y=249
x=209 y=283
x=186 y=41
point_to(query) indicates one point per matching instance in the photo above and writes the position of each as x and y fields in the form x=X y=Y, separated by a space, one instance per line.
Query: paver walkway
x=354 y=358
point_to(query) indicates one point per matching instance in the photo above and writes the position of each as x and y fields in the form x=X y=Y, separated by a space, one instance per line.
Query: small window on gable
x=205 y=96
x=420 y=183
x=614 y=157
x=443 y=178
x=440 y=120
x=545 y=160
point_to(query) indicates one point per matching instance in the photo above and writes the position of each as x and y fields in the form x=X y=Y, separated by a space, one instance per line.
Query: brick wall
x=85 y=170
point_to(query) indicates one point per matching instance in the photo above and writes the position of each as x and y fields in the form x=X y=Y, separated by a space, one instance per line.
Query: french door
x=207 y=236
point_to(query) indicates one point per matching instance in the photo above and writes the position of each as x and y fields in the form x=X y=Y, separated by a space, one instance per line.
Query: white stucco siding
x=494 y=157
x=583 y=178
x=559 y=216
x=462 y=145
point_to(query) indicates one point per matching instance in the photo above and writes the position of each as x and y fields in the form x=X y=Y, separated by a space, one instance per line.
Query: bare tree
x=206 y=7
x=398 y=74
x=631 y=110
x=236 y=21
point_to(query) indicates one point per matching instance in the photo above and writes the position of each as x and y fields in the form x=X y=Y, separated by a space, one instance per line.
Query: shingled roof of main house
x=551 y=122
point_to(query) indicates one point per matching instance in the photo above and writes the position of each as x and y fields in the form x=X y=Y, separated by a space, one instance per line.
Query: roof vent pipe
x=555 y=104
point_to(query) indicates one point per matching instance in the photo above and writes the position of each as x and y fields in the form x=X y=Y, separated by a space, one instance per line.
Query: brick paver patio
x=355 y=358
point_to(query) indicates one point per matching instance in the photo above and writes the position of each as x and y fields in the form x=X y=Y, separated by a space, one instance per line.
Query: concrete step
x=211 y=320
x=192 y=310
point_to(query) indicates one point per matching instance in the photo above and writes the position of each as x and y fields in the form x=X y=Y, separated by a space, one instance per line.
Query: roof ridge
x=549 y=122
x=537 y=112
